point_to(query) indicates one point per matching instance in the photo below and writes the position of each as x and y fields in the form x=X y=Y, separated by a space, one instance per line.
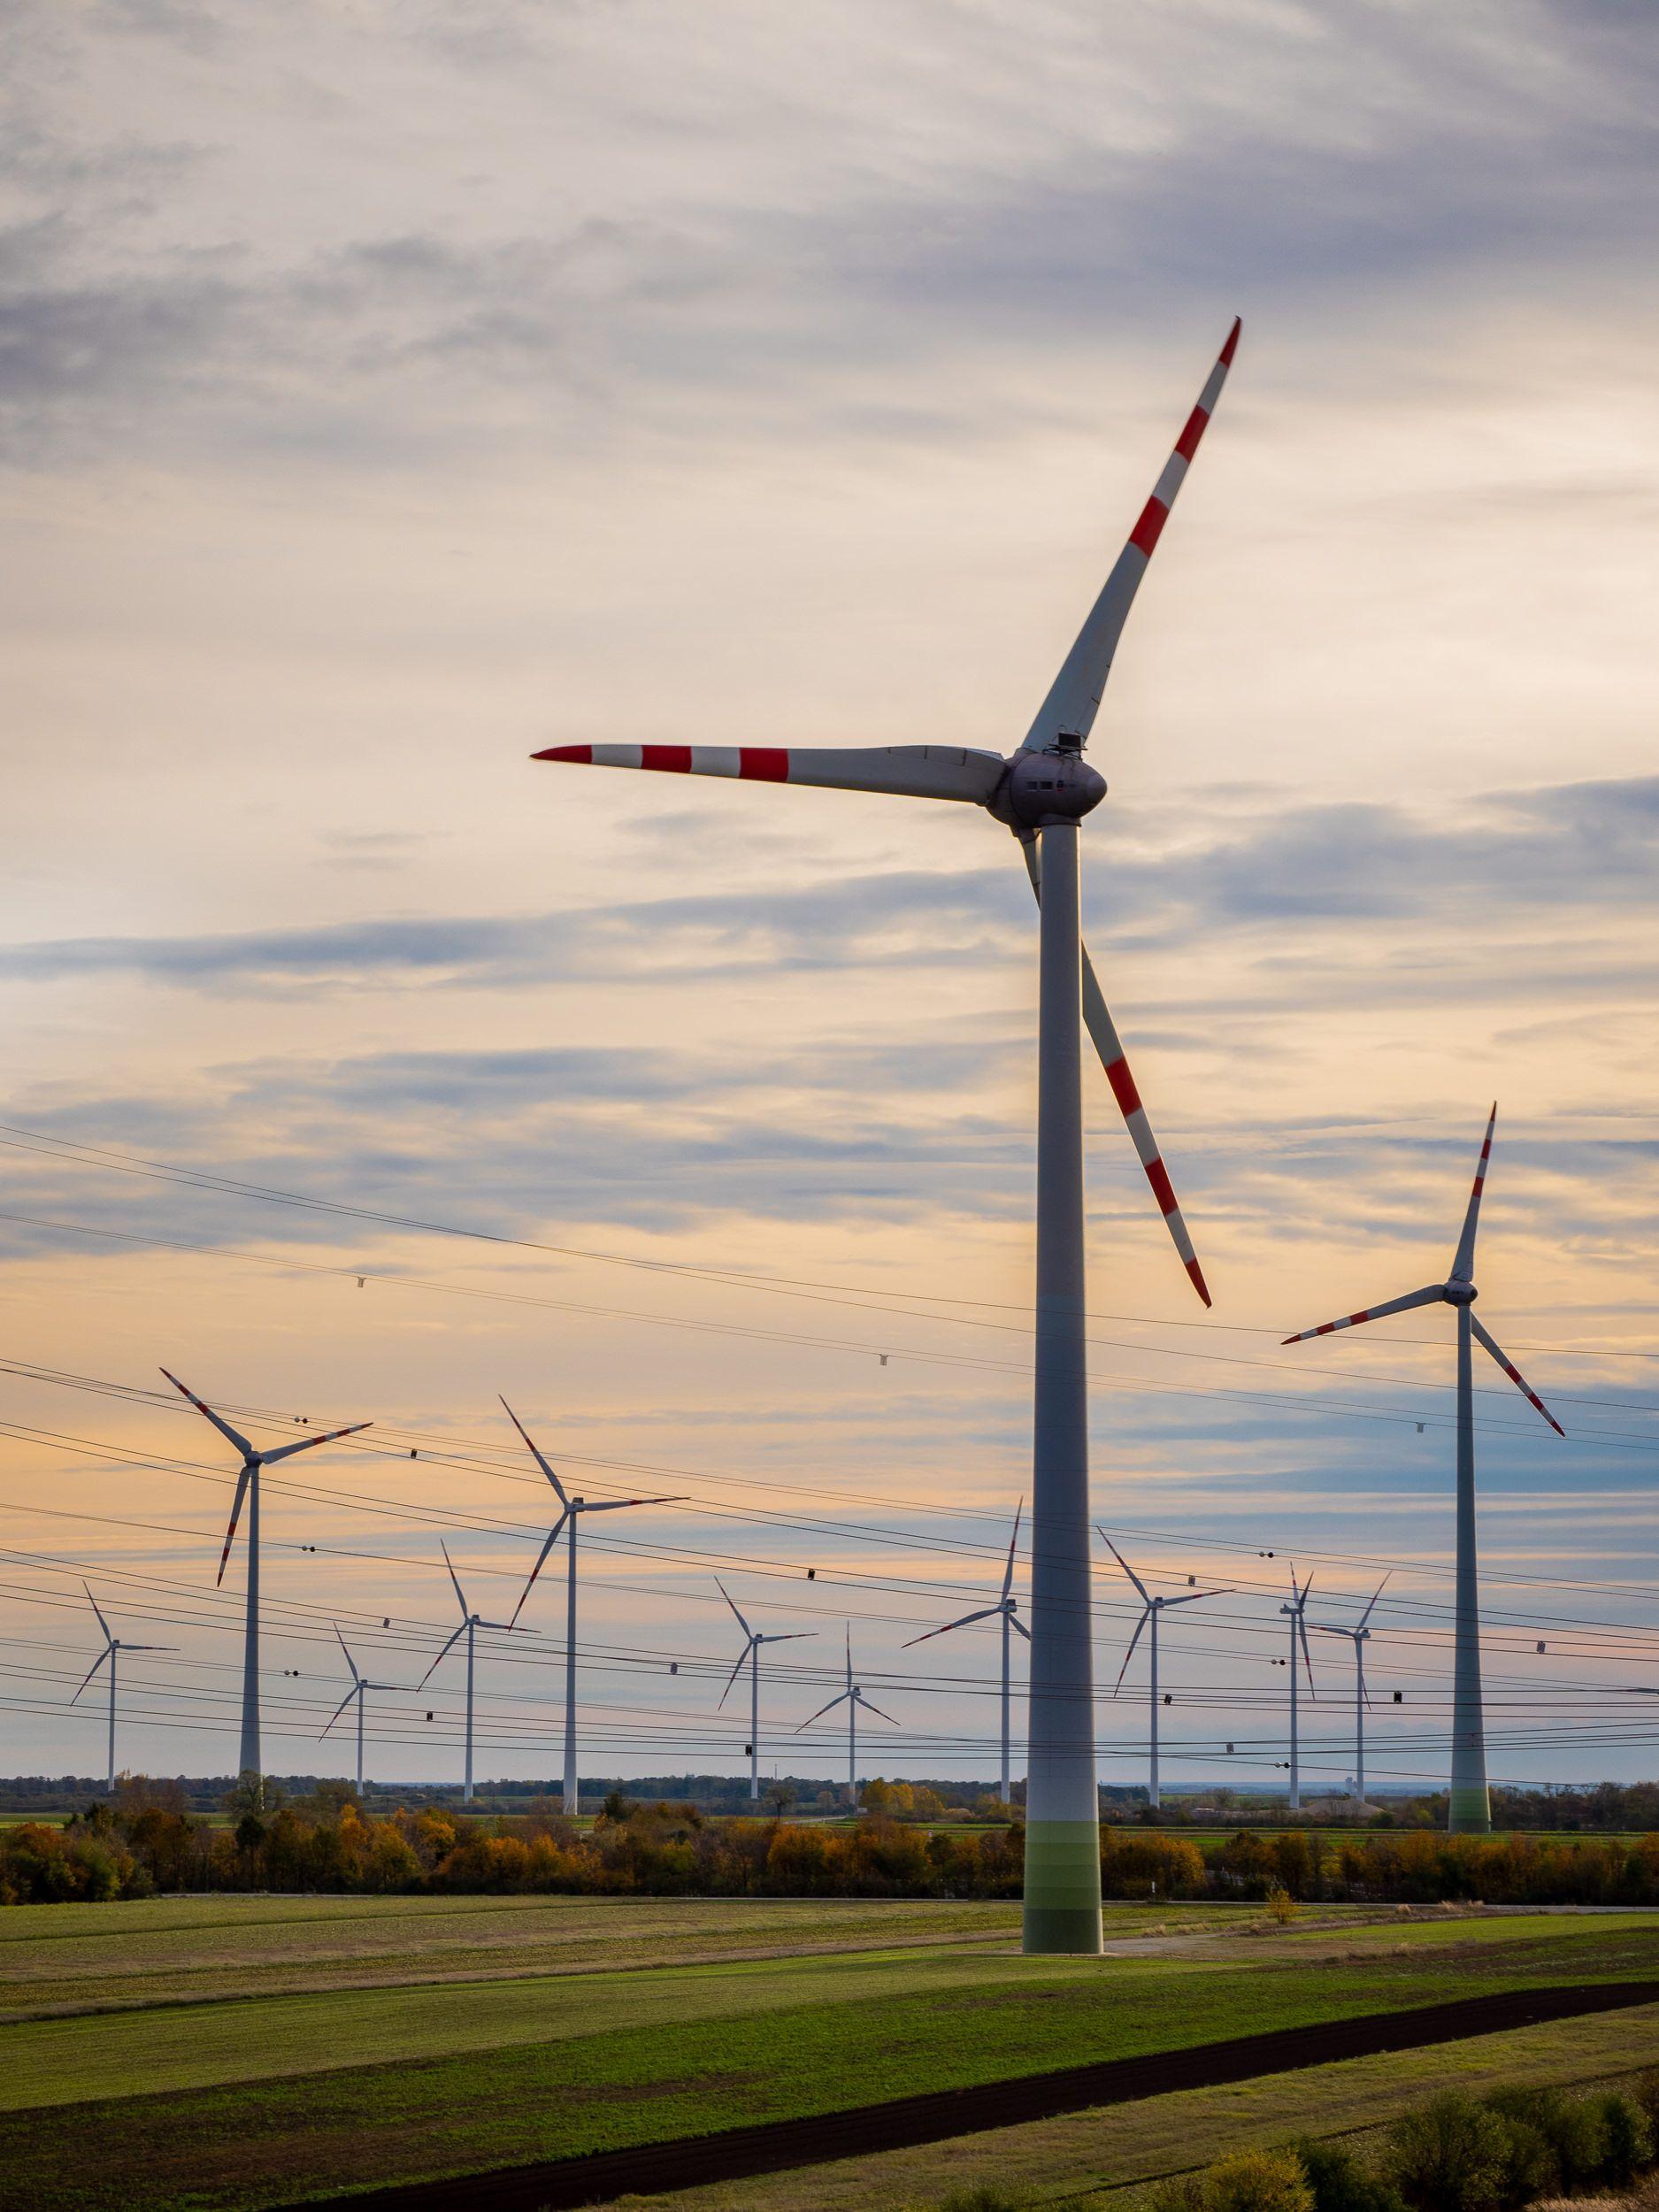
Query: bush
x=982 y=2197
x=1575 y=2131
x=1256 y=2181
x=1341 y=2182
x=1449 y=2156
x=1281 y=1905
x=1531 y=2169
x=1645 y=2091
x=1628 y=2139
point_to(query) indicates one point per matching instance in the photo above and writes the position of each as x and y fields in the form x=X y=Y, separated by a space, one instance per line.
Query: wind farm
x=774 y=777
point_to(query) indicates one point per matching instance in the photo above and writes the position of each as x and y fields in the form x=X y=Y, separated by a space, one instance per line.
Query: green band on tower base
x=1063 y=1887
x=1470 y=1812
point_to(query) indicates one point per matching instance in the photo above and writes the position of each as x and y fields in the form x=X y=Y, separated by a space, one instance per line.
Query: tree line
x=146 y=1844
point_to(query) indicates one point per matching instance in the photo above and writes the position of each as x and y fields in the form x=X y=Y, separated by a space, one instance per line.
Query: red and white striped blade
x=1430 y=1295
x=1515 y=1375
x=1103 y=1031
x=243 y=1481
x=909 y=771
x=1075 y=695
x=1464 y=1265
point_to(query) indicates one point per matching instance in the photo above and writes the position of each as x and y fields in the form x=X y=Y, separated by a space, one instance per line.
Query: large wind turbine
x=570 y=1511
x=471 y=1623
x=751 y=1653
x=1041 y=793
x=1296 y=1611
x=1471 y=1807
x=1359 y=1637
x=1150 y=1609
x=360 y=1687
x=852 y=1697
x=1007 y=1611
x=247 y=1487
x=112 y=1647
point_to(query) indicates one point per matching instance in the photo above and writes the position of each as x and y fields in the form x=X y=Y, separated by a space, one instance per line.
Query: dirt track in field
x=737 y=2154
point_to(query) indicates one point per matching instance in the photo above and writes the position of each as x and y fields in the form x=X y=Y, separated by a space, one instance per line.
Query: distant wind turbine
x=360 y=1687
x=1150 y=1609
x=471 y=1623
x=247 y=1487
x=1359 y=1637
x=1470 y=1811
x=570 y=1511
x=751 y=1653
x=1006 y=1610
x=1042 y=792
x=852 y=1697
x=114 y=1646
x=1296 y=1612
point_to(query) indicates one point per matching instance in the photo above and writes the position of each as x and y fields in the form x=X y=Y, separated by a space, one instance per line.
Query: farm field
x=238 y=2052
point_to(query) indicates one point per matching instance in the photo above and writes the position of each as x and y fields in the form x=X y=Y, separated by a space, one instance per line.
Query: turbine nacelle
x=1459 y=1294
x=1043 y=788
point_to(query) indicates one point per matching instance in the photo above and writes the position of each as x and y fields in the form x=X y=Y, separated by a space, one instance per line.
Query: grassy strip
x=256 y=2142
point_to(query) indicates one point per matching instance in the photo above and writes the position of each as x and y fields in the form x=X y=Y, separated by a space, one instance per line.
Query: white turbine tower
x=1471 y=1808
x=1041 y=793
x=852 y=1697
x=1150 y=1609
x=247 y=1487
x=1006 y=1610
x=751 y=1654
x=471 y=1623
x=114 y=1646
x=1359 y=1637
x=360 y=1687
x=570 y=1511
x=1296 y=1612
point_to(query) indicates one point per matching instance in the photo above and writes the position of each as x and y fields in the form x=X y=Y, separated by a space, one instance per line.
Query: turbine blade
x=441 y=1656
x=536 y=1456
x=1515 y=1375
x=1103 y=1031
x=92 y=1669
x=840 y=1698
x=224 y=1427
x=1430 y=1295
x=1075 y=695
x=615 y=1505
x=1014 y=1621
x=454 y=1577
x=553 y=1534
x=741 y=1659
x=339 y=1709
x=150 y=1646
x=1193 y=1596
x=909 y=772
x=350 y=1661
x=1301 y=1627
x=1381 y=1586
x=1008 y=1572
x=988 y=1614
x=243 y=1481
x=93 y=1603
x=726 y=1594
x=877 y=1710
x=791 y=1636
x=1130 y=1654
x=1122 y=1562
x=1463 y=1265
x=310 y=1443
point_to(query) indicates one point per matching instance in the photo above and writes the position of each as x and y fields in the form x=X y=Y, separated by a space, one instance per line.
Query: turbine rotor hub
x=1460 y=1293
x=1044 y=787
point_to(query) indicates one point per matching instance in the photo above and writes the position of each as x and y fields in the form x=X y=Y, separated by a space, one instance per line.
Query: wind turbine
x=1006 y=1610
x=751 y=1653
x=112 y=1647
x=852 y=1697
x=1296 y=1611
x=1359 y=1637
x=248 y=1486
x=471 y=1623
x=1471 y=1807
x=570 y=1511
x=1151 y=1608
x=360 y=1687
x=1041 y=793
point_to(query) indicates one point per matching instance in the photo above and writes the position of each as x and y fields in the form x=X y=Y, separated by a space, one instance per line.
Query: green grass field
x=231 y=2052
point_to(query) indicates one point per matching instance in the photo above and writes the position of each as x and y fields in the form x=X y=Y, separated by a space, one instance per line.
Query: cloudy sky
x=391 y=390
